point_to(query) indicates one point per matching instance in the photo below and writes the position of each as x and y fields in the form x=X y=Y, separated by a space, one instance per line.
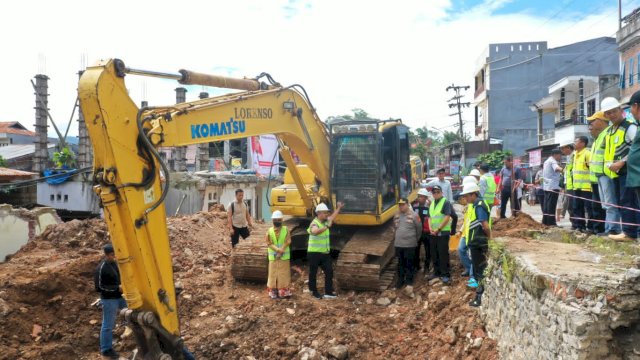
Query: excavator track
x=366 y=262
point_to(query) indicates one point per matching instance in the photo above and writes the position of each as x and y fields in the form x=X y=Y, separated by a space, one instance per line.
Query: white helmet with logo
x=276 y=214
x=475 y=172
x=322 y=207
x=609 y=103
x=469 y=189
x=423 y=192
x=469 y=180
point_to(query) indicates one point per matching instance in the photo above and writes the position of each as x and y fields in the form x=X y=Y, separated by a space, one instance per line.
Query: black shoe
x=476 y=302
x=431 y=276
x=111 y=354
x=330 y=296
x=465 y=274
x=317 y=295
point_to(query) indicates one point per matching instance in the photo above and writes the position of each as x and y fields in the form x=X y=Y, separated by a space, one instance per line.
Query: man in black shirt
x=107 y=283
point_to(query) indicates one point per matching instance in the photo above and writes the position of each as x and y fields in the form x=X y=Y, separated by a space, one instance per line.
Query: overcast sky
x=391 y=58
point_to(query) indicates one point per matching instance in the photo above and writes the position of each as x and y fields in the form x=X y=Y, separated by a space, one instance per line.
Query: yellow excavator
x=364 y=164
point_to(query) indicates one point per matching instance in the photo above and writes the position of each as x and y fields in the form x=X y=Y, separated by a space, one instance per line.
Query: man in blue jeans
x=107 y=283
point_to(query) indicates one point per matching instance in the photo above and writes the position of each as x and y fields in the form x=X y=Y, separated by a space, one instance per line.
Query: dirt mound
x=523 y=225
x=47 y=289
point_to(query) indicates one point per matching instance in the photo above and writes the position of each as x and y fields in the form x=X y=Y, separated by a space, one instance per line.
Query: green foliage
x=494 y=159
x=65 y=157
x=358 y=114
x=3 y=162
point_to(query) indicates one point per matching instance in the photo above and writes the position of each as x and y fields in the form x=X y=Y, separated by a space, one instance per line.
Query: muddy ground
x=47 y=287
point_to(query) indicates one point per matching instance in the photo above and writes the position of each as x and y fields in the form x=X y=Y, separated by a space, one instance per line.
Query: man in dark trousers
x=440 y=224
x=407 y=232
x=107 y=283
x=421 y=208
x=477 y=234
x=319 y=248
x=508 y=187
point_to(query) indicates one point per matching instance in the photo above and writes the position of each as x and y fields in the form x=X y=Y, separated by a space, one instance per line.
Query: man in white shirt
x=551 y=171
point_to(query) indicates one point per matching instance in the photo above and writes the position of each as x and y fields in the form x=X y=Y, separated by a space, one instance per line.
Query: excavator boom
x=127 y=172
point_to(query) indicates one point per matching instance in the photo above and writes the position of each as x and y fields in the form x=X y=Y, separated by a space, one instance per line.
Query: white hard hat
x=475 y=172
x=423 y=192
x=469 y=189
x=609 y=103
x=322 y=207
x=469 y=180
x=276 y=214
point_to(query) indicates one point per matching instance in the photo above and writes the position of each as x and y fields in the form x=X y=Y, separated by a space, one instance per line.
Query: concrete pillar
x=540 y=129
x=581 y=119
x=85 y=151
x=561 y=105
x=202 y=151
x=180 y=153
x=41 y=155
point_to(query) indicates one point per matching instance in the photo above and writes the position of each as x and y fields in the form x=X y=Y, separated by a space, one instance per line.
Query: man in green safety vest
x=487 y=185
x=319 y=248
x=567 y=199
x=477 y=234
x=598 y=125
x=278 y=241
x=618 y=141
x=440 y=225
x=582 y=185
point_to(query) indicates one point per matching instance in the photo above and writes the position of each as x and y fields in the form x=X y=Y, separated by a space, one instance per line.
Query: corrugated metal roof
x=15 y=173
x=15 y=151
x=14 y=127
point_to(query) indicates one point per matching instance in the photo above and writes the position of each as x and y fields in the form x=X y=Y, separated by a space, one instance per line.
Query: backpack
x=233 y=208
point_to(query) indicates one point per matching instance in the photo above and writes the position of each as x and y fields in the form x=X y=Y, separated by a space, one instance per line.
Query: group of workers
x=601 y=183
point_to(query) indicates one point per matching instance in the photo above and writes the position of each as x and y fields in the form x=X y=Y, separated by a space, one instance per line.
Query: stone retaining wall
x=534 y=314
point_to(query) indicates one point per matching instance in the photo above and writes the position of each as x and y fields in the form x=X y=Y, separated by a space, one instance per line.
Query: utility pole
x=454 y=102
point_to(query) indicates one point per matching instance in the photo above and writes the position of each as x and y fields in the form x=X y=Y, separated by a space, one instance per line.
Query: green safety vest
x=318 y=243
x=616 y=147
x=581 y=180
x=474 y=227
x=279 y=242
x=596 y=165
x=490 y=193
x=436 y=215
x=568 y=178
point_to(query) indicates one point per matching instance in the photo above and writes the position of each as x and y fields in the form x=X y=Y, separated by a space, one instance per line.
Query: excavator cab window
x=355 y=166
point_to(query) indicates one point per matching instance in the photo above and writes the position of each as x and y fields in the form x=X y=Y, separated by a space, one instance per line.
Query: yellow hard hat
x=598 y=115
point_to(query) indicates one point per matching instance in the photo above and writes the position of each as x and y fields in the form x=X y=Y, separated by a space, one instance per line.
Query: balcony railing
x=567 y=122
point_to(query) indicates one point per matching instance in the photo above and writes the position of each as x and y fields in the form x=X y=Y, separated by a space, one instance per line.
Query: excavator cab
x=370 y=165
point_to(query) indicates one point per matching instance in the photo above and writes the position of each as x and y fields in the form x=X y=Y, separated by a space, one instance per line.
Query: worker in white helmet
x=319 y=248
x=477 y=235
x=278 y=241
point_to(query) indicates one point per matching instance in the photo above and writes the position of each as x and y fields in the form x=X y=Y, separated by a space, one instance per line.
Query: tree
x=64 y=158
x=3 y=162
x=494 y=159
x=358 y=114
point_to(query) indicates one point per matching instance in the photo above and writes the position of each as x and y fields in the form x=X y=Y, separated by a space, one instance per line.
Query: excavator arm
x=127 y=173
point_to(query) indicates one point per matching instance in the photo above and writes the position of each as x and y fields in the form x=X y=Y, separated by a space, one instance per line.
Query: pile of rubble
x=47 y=291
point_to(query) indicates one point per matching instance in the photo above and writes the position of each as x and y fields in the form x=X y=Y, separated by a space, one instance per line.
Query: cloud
x=393 y=59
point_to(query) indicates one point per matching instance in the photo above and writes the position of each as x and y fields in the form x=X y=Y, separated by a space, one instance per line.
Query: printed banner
x=535 y=158
x=263 y=148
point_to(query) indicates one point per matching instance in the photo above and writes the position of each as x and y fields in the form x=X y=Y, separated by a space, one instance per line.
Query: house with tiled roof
x=14 y=133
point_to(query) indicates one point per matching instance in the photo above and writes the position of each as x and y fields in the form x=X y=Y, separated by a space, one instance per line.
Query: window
x=630 y=71
x=591 y=107
x=638 y=68
x=52 y=197
x=622 y=74
x=66 y=198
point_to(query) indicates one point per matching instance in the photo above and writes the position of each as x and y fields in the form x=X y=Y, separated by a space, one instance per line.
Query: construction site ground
x=46 y=292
